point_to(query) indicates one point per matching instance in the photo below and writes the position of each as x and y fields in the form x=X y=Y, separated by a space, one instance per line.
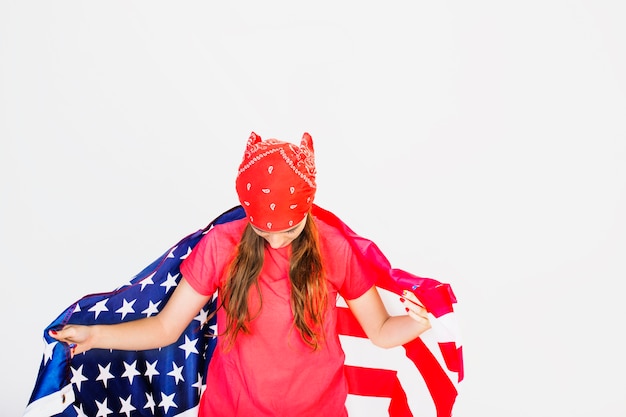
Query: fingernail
x=407 y=309
x=402 y=300
x=53 y=331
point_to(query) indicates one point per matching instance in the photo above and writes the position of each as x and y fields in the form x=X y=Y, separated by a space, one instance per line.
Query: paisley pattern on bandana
x=276 y=182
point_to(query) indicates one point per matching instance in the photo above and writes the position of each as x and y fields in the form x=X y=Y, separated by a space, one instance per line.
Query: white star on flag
x=198 y=384
x=48 y=350
x=189 y=346
x=103 y=408
x=127 y=407
x=105 y=374
x=131 y=371
x=150 y=402
x=170 y=282
x=187 y=254
x=202 y=317
x=77 y=377
x=147 y=280
x=126 y=308
x=177 y=373
x=151 y=370
x=99 y=307
x=152 y=309
x=79 y=411
x=167 y=401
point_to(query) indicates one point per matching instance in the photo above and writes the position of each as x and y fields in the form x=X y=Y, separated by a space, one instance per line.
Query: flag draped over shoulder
x=419 y=378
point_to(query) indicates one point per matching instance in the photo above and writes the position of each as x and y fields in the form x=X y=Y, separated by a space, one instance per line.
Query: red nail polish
x=402 y=300
x=53 y=331
x=407 y=309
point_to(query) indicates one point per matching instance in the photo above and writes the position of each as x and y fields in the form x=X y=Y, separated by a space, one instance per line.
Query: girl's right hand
x=80 y=338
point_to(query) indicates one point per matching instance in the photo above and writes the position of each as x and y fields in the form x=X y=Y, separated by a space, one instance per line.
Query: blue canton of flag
x=101 y=383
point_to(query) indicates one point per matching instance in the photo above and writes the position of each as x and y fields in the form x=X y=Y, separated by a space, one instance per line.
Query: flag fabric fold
x=419 y=378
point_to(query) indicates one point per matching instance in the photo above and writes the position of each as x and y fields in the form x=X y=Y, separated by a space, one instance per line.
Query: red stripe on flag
x=347 y=324
x=442 y=390
x=372 y=382
x=453 y=357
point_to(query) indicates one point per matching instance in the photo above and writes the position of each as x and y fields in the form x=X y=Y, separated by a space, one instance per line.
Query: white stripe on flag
x=362 y=352
x=359 y=406
x=51 y=404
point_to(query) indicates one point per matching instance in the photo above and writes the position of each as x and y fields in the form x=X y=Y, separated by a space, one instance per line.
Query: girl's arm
x=389 y=331
x=148 y=333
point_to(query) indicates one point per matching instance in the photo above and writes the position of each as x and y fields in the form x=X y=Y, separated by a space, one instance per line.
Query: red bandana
x=276 y=182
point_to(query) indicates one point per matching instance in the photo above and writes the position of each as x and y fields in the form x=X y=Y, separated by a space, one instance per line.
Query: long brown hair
x=309 y=294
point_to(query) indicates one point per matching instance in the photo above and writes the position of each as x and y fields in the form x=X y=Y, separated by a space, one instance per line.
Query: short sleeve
x=345 y=270
x=199 y=267
x=357 y=279
x=205 y=266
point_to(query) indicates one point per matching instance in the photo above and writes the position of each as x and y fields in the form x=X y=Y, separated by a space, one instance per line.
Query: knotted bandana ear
x=276 y=182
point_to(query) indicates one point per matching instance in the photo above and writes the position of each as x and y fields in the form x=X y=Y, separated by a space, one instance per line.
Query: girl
x=278 y=273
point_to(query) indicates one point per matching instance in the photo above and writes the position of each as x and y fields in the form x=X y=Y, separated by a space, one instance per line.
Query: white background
x=479 y=143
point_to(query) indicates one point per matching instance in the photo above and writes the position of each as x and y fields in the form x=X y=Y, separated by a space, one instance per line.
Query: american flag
x=419 y=378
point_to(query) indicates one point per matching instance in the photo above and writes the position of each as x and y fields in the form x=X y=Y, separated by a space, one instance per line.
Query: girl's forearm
x=398 y=330
x=147 y=333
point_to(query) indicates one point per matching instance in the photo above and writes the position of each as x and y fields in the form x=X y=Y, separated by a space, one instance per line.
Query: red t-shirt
x=271 y=371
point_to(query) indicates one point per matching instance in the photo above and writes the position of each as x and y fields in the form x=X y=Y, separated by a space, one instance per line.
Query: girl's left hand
x=415 y=308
